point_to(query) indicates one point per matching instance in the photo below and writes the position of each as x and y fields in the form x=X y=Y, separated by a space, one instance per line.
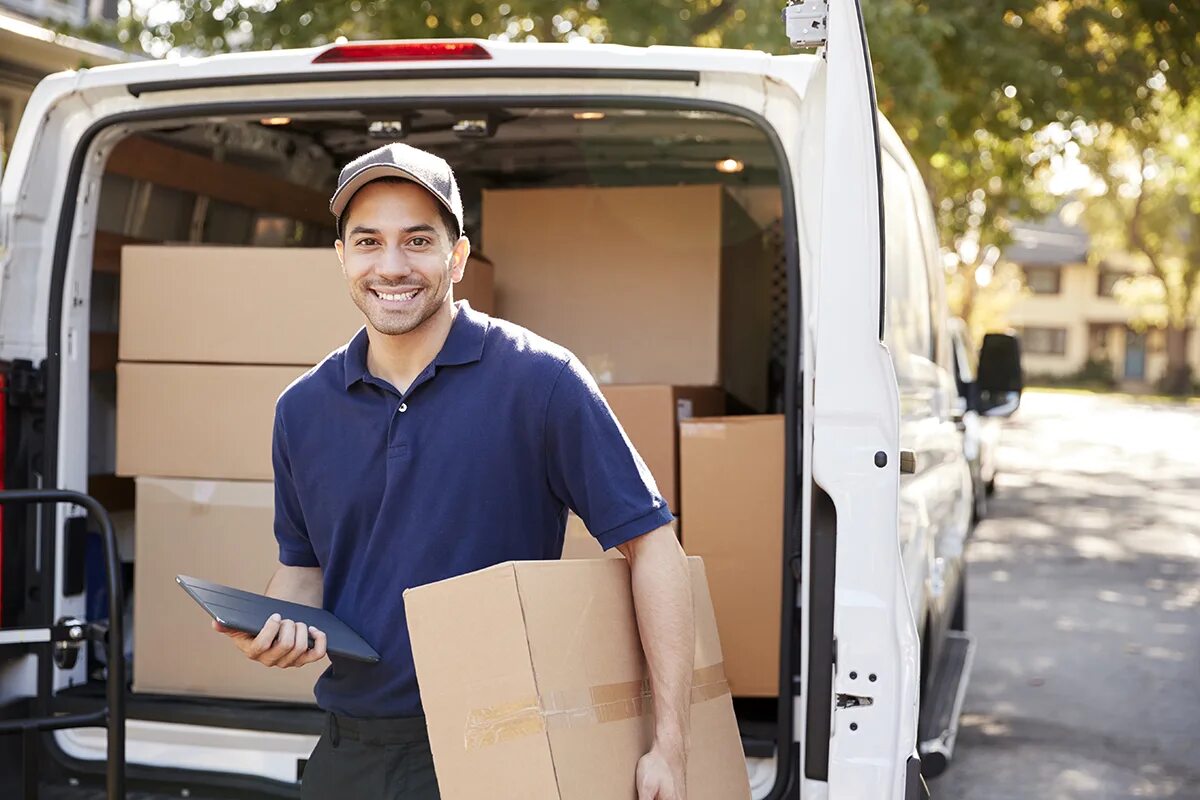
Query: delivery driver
x=437 y=442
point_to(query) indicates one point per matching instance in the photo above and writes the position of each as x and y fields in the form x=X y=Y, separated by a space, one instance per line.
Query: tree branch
x=710 y=19
x=1136 y=235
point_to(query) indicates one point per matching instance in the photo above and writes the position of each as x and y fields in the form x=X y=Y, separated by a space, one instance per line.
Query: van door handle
x=908 y=462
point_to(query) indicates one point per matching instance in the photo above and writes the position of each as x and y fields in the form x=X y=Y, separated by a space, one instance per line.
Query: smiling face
x=398 y=256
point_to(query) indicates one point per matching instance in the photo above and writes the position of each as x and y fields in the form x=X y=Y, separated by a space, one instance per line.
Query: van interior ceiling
x=265 y=182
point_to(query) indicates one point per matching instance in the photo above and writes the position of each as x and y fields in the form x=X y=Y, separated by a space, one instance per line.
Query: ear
x=458 y=259
x=340 y=247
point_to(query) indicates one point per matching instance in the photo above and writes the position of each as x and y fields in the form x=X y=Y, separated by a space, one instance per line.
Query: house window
x=1044 y=341
x=1108 y=279
x=1043 y=280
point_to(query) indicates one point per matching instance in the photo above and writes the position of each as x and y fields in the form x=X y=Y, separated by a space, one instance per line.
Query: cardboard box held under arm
x=534 y=685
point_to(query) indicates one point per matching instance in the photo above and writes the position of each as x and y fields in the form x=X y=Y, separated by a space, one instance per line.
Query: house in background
x=1069 y=316
x=29 y=51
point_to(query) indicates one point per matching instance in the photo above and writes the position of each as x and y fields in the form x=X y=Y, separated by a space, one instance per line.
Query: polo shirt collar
x=463 y=345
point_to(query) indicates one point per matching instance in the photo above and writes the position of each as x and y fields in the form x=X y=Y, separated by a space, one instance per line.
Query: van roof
x=499 y=55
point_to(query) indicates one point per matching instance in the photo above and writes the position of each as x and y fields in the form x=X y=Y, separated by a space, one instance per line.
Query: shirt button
x=403 y=407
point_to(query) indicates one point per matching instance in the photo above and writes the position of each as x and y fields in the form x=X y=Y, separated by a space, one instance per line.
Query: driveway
x=1084 y=596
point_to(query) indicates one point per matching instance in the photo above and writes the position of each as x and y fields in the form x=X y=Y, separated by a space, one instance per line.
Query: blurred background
x=1058 y=139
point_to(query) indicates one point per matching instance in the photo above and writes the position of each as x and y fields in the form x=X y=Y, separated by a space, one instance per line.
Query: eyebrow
x=422 y=228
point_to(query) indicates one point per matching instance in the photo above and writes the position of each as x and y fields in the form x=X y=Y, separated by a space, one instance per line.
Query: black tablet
x=248 y=612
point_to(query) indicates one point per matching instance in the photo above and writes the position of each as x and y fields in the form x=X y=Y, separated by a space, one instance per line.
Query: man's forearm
x=662 y=599
x=304 y=585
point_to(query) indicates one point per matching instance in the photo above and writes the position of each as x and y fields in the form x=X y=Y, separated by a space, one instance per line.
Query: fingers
x=284 y=641
x=299 y=646
x=316 y=652
x=281 y=643
x=262 y=643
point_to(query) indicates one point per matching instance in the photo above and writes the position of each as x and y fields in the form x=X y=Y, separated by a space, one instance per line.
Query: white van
x=878 y=495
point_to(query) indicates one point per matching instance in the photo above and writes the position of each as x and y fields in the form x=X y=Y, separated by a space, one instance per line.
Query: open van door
x=860 y=677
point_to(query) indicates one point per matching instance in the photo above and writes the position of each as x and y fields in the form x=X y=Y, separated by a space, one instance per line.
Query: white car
x=878 y=492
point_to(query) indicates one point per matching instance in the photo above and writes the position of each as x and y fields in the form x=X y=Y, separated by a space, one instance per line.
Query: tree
x=1147 y=204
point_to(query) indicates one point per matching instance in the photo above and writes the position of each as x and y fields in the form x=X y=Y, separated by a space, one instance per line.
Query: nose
x=394 y=264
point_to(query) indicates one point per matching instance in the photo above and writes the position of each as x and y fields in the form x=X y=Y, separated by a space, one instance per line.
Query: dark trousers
x=370 y=759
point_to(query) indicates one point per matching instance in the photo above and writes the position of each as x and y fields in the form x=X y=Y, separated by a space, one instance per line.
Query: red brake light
x=402 y=51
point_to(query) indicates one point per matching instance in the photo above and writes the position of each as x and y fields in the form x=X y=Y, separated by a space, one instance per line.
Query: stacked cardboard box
x=732 y=471
x=209 y=339
x=646 y=284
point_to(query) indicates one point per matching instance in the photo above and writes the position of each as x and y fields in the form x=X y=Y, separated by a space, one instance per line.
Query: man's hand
x=662 y=774
x=281 y=643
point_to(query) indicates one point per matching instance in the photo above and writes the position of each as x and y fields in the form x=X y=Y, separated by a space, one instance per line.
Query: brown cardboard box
x=650 y=416
x=732 y=471
x=241 y=305
x=218 y=531
x=650 y=284
x=478 y=286
x=533 y=681
x=198 y=420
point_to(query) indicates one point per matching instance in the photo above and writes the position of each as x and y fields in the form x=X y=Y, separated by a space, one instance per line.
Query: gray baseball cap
x=398 y=161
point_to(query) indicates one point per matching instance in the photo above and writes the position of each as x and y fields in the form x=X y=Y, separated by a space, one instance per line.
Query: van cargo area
x=648 y=240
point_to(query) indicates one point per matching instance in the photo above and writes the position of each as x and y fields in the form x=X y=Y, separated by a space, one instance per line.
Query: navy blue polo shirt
x=476 y=464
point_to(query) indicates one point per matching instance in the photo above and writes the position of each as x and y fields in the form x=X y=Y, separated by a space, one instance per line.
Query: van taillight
x=402 y=51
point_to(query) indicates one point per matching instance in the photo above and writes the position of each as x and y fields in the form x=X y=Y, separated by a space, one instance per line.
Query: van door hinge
x=854 y=701
x=26 y=385
x=806 y=22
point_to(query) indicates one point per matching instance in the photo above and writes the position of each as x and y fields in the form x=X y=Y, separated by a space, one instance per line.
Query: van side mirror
x=1000 y=380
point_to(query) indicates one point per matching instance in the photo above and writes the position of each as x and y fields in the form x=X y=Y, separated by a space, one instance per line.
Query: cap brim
x=341 y=198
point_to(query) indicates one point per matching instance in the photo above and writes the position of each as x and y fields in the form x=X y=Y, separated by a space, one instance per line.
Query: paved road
x=1084 y=593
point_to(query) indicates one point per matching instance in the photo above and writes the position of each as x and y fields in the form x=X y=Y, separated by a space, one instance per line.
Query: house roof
x=1050 y=242
x=37 y=51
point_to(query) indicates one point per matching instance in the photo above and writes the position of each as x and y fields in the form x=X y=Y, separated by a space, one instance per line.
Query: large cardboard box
x=650 y=416
x=198 y=420
x=534 y=685
x=648 y=284
x=219 y=531
x=732 y=470
x=246 y=305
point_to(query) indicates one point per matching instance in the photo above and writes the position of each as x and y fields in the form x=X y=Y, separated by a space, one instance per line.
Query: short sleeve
x=295 y=549
x=592 y=466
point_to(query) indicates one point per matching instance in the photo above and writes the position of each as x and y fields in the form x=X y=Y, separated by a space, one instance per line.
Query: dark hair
x=448 y=220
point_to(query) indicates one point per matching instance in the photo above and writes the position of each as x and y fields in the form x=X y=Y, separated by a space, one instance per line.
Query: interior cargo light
x=402 y=51
x=730 y=166
x=589 y=115
x=387 y=129
x=276 y=121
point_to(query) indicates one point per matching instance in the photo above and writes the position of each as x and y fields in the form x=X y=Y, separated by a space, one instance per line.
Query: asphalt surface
x=1084 y=596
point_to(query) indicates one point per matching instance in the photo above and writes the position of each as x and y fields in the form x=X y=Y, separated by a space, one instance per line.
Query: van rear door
x=860 y=679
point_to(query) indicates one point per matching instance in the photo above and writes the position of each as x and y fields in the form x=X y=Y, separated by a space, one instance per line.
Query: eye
x=367 y=241
x=420 y=241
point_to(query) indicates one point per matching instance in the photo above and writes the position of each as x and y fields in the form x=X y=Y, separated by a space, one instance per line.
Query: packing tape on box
x=574 y=708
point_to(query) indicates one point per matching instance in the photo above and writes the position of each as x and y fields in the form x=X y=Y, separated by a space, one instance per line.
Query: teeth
x=405 y=296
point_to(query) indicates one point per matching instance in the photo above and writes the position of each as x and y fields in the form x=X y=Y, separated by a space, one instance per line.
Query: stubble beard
x=393 y=323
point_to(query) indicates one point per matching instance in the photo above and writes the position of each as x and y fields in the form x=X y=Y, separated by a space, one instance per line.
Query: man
x=437 y=442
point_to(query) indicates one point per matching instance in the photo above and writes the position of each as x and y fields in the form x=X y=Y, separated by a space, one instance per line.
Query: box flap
x=483 y=721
